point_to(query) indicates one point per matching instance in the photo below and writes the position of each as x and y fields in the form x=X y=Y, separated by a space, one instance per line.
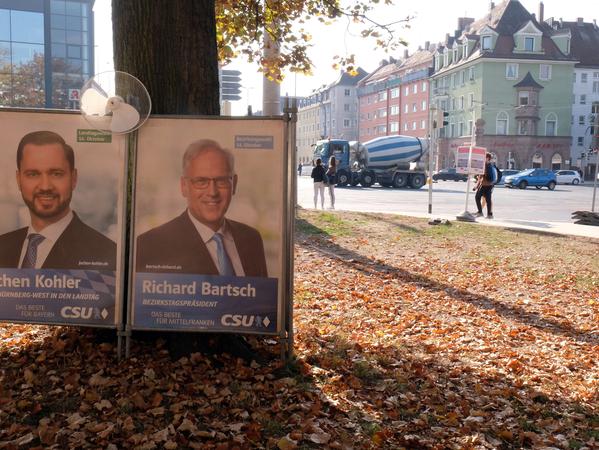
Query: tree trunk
x=170 y=45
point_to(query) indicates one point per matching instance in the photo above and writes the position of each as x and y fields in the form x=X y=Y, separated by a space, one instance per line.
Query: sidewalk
x=562 y=228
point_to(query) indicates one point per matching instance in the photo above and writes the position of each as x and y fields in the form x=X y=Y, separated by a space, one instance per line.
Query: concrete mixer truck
x=391 y=161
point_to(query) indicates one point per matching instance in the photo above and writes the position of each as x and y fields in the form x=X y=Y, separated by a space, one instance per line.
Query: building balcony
x=527 y=112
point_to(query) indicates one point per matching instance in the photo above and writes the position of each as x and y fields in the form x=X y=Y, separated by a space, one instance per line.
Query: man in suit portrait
x=55 y=238
x=202 y=240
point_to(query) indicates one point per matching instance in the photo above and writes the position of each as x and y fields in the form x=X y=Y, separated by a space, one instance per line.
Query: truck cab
x=338 y=148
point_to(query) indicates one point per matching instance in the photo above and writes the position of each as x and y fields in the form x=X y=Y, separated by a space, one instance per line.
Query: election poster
x=209 y=225
x=61 y=221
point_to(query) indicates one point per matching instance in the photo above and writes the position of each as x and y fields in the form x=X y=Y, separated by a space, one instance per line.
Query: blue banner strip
x=70 y=297
x=205 y=303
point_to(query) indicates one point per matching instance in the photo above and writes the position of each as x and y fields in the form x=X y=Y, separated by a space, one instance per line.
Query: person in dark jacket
x=484 y=188
x=318 y=175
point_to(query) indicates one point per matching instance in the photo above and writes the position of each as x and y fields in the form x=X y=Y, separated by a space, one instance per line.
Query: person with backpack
x=484 y=187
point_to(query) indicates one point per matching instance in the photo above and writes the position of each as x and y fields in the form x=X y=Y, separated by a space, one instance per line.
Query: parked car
x=506 y=173
x=567 y=177
x=532 y=177
x=449 y=174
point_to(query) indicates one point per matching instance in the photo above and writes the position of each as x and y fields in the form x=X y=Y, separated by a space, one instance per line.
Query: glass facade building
x=46 y=52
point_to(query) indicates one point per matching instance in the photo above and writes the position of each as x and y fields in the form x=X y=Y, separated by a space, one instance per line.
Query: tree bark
x=170 y=45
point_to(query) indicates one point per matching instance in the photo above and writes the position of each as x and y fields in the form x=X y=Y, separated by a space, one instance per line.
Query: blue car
x=532 y=177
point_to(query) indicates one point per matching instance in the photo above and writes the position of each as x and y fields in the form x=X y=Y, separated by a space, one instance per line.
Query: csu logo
x=238 y=320
x=83 y=312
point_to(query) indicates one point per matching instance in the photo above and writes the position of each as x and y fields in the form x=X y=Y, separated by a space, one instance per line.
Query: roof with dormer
x=584 y=42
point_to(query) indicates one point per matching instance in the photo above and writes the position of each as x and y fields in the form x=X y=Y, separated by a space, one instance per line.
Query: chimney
x=491 y=5
x=446 y=38
x=405 y=54
x=541 y=12
x=427 y=45
x=580 y=21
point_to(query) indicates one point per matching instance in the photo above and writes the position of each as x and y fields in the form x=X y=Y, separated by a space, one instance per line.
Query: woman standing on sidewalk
x=331 y=179
x=318 y=175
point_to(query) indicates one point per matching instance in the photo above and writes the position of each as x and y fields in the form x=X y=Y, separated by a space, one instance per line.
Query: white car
x=567 y=177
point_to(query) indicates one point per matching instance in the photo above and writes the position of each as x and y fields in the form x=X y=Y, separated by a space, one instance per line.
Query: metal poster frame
x=284 y=308
x=121 y=213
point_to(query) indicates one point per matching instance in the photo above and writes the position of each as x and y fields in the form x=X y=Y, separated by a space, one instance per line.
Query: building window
x=414 y=107
x=595 y=87
x=551 y=125
x=346 y=123
x=423 y=124
x=463 y=77
x=471 y=73
x=523 y=98
x=581 y=120
x=382 y=112
x=511 y=71
x=580 y=141
x=394 y=110
x=529 y=44
x=545 y=72
x=415 y=88
x=574 y=77
x=471 y=100
x=413 y=125
x=394 y=127
x=394 y=92
x=523 y=127
x=486 y=43
x=462 y=103
x=461 y=128
x=583 y=77
x=382 y=96
x=424 y=105
x=347 y=92
x=501 y=126
x=405 y=126
x=583 y=99
x=346 y=107
x=454 y=80
x=452 y=130
x=405 y=108
x=406 y=90
x=469 y=128
x=424 y=86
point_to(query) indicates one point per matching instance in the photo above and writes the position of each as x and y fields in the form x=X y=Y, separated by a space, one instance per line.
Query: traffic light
x=230 y=86
x=441 y=119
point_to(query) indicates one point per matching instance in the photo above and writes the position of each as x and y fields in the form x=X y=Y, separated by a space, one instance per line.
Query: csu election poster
x=61 y=221
x=208 y=221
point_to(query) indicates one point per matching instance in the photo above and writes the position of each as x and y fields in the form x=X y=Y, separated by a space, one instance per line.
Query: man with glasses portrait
x=202 y=240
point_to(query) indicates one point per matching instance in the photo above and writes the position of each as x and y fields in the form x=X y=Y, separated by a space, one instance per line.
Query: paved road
x=449 y=199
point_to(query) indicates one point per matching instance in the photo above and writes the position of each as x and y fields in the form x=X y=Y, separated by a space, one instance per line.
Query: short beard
x=56 y=212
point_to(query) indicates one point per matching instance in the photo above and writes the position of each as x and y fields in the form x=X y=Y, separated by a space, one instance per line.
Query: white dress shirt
x=51 y=234
x=206 y=234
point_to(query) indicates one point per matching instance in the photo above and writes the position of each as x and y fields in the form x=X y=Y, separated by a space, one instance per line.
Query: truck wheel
x=367 y=179
x=355 y=180
x=400 y=180
x=342 y=178
x=417 y=180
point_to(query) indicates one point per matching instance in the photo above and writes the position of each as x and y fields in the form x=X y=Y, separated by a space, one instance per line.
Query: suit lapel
x=12 y=249
x=59 y=256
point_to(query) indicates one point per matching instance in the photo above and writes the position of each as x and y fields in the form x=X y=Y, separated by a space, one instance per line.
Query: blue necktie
x=225 y=267
x=31 y=253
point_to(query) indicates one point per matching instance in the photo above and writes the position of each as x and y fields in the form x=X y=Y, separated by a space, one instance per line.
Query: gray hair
x=203 y=145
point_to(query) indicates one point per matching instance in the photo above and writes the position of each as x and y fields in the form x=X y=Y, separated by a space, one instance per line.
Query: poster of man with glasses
x=209 y=230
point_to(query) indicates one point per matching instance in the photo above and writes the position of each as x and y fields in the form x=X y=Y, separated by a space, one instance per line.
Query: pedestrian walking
x=299 y=169
x=484 y=188
x=331 y=179
x=318 y=175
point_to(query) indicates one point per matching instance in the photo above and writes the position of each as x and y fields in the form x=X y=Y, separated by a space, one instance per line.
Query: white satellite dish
x=115 y=102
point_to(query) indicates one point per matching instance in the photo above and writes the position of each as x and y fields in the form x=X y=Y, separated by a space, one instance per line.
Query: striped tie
x=31 y=254
x=225 y=267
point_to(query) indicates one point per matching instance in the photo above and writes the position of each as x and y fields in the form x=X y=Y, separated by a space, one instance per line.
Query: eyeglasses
x=203 y=183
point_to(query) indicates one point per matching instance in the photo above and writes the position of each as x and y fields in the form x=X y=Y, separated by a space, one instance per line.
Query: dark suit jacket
x=78 y=247
x=177 y=247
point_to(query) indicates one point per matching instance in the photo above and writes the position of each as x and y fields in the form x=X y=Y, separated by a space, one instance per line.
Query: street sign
x=230 y=84
x=74 y=95
x=477 y=162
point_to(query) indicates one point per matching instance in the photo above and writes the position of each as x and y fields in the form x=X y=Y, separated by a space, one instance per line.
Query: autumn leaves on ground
x=407 y=336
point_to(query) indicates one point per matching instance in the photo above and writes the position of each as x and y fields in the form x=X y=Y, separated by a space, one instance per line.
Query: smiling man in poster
x=202 y=240
x=56 y=237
